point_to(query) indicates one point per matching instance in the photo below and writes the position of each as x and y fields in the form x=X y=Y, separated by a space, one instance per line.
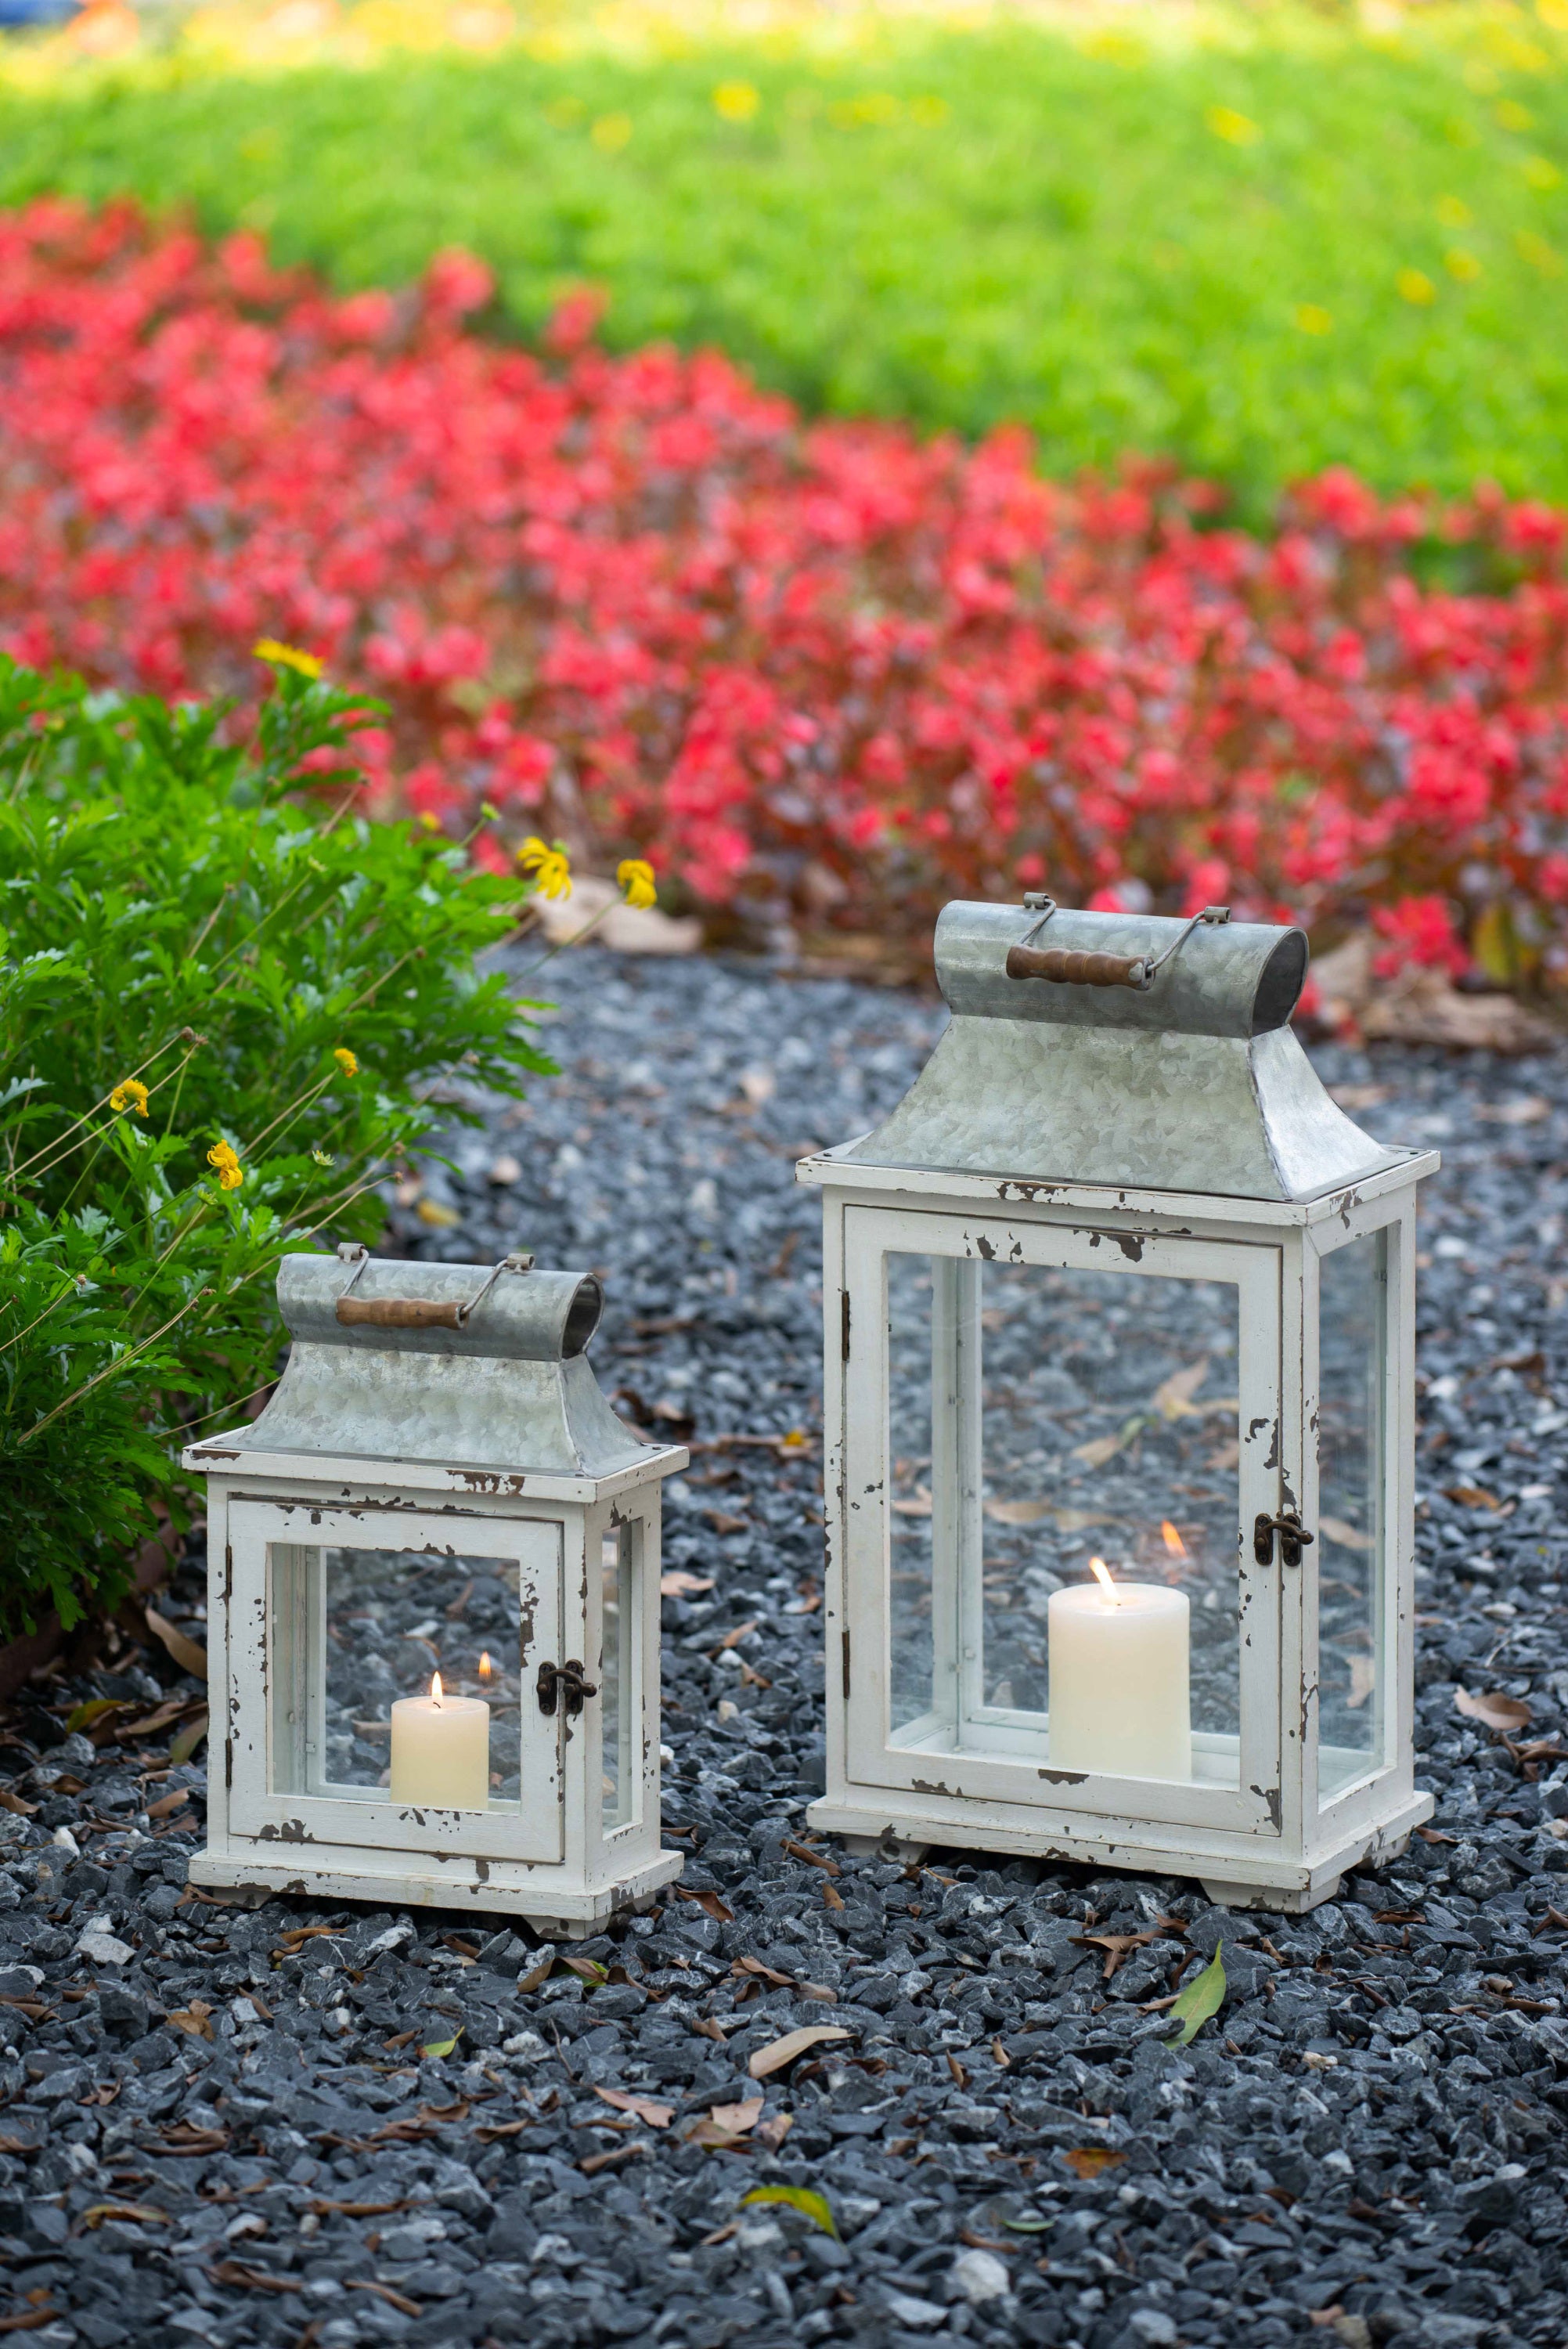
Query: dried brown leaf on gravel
x=656 y=2116
x=183 y=1650
x=766 y=2061
x=1493 y=1710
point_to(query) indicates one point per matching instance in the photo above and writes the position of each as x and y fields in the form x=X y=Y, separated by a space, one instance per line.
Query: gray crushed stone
x=216 y=2130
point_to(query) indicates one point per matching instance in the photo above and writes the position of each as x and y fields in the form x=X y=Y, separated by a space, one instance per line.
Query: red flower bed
x=824 y=671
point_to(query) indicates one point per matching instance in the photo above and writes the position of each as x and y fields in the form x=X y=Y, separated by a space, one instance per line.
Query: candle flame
x=436 y=1688
x=1098 y=1568
x=1173 y=1541
x=486 y=1667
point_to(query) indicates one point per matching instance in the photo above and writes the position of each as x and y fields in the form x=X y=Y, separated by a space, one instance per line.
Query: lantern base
x=1287 y=1882
x=554 y=1911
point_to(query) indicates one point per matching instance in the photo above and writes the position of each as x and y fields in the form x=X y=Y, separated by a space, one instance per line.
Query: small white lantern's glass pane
x=1353 y=1289
x=359 y=1629
x=1041 y=1416
x=616 y=1676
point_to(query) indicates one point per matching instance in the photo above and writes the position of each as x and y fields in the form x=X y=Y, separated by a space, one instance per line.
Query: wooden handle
x=399 y=1313
x=1074 y=968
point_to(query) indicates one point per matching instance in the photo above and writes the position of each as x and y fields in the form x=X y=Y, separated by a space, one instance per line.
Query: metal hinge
x=1293 y=1537
x=564 y=1683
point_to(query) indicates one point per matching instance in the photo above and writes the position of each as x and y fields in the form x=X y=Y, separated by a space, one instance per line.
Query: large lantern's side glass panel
x=921 y=1683
x=1353 y=1291
x=1066 y=1416
x=356 y=1629
x=619 y=1773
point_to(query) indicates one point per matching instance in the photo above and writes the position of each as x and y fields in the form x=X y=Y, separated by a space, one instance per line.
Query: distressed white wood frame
x=949 y=1757
x=1301 y=1863
x=1386 y=1773
x=553 y=1858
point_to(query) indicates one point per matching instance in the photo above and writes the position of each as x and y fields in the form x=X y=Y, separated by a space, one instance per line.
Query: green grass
x=1073 y=243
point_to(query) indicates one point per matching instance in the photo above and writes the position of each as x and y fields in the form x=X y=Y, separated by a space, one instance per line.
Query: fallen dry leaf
x=194 y=2018
x=1471 y=1497
x=139 y=2214
x=737 y=2118
x=1116 y=1945
x=1017 y=1513
x=773 y=2058
x=708 y=1902
x=186 y=1653
x=1088 y=2160
x=680 y=1585
x=756 y=1966
x=1173 y=1397
x=1493 y=1710
x=592 y=2163
x=656 y=2116
x=1363 y=1681
x=773 y=2131
x=817 y=1859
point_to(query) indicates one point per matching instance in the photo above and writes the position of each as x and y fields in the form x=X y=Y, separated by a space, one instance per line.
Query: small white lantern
x=1120 y=1396
x=434 y=1604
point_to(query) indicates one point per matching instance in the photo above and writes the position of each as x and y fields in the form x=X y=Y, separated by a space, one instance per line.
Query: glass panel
x=1353 y=1285
x=356 y=1629
x=618 y=1767
x=1038 y=1418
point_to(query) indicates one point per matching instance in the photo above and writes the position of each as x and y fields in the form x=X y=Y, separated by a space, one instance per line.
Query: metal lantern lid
x=461 y=1363
x=1123 y=1049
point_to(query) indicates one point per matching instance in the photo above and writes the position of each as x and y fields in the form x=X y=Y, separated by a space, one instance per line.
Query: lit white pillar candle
x=441 y=1751
x=1119 y=1679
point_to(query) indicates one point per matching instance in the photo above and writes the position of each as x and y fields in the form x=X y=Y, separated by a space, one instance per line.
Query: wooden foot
x=884 y=1846
x=1284 y=1900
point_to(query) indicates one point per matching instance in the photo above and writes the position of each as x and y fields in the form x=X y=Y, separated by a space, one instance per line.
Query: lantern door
x=1023 y=1398
x=1359 y=1347
x=336 y=1615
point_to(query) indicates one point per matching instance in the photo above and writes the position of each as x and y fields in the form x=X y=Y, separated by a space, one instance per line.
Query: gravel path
x=218 y=2124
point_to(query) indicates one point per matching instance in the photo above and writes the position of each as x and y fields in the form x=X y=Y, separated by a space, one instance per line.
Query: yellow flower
x=431 y=823
x=1237 y=129
x=1537 y=252
x=1454 y=212
x=1313 y=320
x=324 y=1157
x=928 y=112
x=130 y=1095
x=1416 y=286
x=637 y=879
x=1462 y=265
x=736 y=101
x=546 y=867
x=230 y=1172
x=610 y=133
x=1541 y=174
x=345 y=1060
x=286 y=656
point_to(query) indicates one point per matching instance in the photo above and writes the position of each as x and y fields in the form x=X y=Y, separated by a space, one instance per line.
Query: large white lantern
x=1120 y=1402
x=434 y=1604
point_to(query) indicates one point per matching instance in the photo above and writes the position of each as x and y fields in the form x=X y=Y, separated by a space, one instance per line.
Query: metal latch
x=1293 y=1537
x=563 y=1683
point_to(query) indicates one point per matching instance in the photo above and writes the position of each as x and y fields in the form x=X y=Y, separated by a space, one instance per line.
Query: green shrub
x=1292 y=243
x=225 y=1008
